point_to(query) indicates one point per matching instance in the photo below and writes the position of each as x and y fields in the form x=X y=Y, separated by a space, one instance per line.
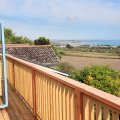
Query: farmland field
x=79 y=62
x=91 y=54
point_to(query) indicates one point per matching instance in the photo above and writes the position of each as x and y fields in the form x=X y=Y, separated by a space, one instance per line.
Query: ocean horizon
x=88 y=42
x=101 y=42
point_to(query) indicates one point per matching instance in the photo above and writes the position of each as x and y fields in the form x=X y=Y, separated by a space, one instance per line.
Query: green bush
x=11 y=38
x=42 y=41
x=64 y=67
x=101 y=77
x=57 y=51
x=21 y=40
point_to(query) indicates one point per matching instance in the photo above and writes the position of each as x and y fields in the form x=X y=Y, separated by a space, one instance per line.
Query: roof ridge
x=20 y=46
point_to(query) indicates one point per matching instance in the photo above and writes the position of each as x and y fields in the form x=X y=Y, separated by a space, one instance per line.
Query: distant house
x=41 y=55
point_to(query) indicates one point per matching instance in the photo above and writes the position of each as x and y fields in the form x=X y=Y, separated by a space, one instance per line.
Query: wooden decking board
x=11 y=113
x=21 y=109
x=1 y=116
x=16 y=107
x=17 y=110
x=5 y=115
x=20 y=103
x=24 y=111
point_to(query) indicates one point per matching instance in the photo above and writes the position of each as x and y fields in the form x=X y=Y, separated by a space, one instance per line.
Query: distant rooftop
x=41 y=55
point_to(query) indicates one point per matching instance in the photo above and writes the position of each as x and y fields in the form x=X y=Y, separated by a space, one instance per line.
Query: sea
x=89 y=42
x=101 y=42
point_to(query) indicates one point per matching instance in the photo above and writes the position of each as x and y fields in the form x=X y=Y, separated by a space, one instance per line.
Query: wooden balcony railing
x=55 y=97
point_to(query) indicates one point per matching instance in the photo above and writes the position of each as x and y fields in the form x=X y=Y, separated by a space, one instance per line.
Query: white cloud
x=5 y=7
x=33 y=31
x=80 y=11
x=91 y=12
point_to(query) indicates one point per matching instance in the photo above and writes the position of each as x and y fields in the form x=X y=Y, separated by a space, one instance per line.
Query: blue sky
x=62 y=19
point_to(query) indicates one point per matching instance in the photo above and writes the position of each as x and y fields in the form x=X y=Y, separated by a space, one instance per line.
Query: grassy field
x=86 y=56
x=79 y=62
x=91 y=54
x=93 y=51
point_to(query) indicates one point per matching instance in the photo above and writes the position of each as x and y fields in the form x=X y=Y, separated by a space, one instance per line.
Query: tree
x=8 y=35
x=42 y=41
x=69 y=46
x=21 y=40
x=11 y=38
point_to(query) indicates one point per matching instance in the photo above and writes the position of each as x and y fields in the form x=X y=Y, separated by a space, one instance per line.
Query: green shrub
x=64 y=67
x=42 y=41
x=57 y=51
x=101 y=77
x=11 y=38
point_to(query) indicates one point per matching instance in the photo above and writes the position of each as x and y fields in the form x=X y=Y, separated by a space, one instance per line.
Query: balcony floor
x=17 y=109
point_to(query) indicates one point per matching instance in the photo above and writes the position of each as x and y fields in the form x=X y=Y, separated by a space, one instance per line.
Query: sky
x=62 y=19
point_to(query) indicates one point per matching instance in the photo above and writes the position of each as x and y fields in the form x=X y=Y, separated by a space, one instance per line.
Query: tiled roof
x=41 y=55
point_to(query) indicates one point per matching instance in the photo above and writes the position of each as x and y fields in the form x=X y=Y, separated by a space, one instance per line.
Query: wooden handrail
x=50 y=90
x=99 y=95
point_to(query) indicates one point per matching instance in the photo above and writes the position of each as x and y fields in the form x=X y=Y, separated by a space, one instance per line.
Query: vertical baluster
x=54 y=100
x=64 y=102
x=42 y=97
x=72 y=105
x=45 y=99
x=48 y=98
x=57 y=101
x=39 y=84
x=60 y=101
x=85 y=108
x=34 y=93
x=68 y=103
x=106 y=113
x=77 y=105
x=115 y=114
x=91 y=109
x=98 y=111
x=11 y=71
x=52 y=106
x=39 y=94
x=81 y=106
